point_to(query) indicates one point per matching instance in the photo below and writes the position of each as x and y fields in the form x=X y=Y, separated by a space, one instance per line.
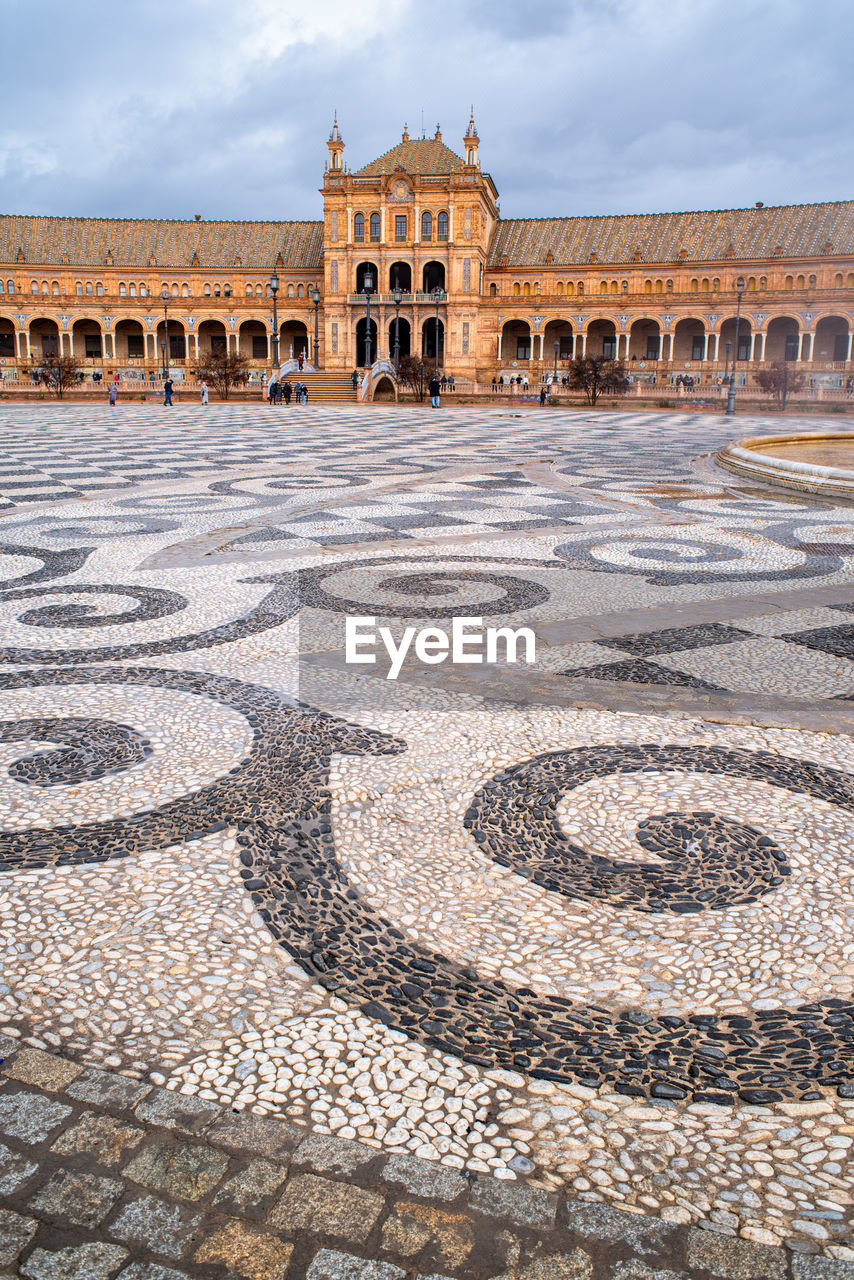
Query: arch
x=86 y=340
x=645 y=340
x=570 y=287
x=515 y=341
x=745 y=337
x=689 y=339
x=801 y=283
x=433 y=276
x=603 y=286
x=384 y=388
x=293 y=340
x=426 y=225
x=695 y=285
x=361 y=332
x=177 y=340
x=211 y=339
x=526 y=289
x=128 y=340
x=433 y=335
x=359 y=226
x=43 y=339
x=442 y=225
x=132 y=289
x=580 y=287
x=54 y=288
x=789 y=282
x=7 y=338
x=751 y=282
x=253 y=341
x=122 y=289
x=560 y=332
x=601 y=339
x=300 y=291
x=517 y=289
x=400 y=277
x=647 y=286
x=838 y=280
x=831 y=339
x=361 y=271
x=375 y=226
x=782 y=339
x=404 y=337
x=493 y=291
x=185 y=291
x=763 y=282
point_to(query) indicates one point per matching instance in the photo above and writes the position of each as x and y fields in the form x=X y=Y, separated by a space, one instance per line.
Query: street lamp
x=315 y=297
x=165 y=345
x=437 y=294
x=274 y=289
x=368 y=286
x=726 y=364
x=398 y=298
x=730 y=400
x=557 y=349
x=163 y=357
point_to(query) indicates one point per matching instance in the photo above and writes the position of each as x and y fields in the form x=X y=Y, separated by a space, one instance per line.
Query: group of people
x=279 y=391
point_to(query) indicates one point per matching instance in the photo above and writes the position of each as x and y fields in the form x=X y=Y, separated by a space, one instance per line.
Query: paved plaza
x=567 y=943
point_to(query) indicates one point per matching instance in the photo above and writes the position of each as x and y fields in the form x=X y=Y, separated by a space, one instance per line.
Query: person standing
x=114 y=394
x=434 y=388
x=354 y=378
x=167 y=392
x=287 y=391
x=204 y=392
x=543 y=394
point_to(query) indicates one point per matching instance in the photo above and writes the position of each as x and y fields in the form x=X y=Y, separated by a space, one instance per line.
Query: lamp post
x=315 y=297
x=274 y=289
x=368 y=286
x=730 y=400
x=163 y=358
x=557 y=349
x=398 y=298
x=165 y=345
x=437 y=294
x=726 y=364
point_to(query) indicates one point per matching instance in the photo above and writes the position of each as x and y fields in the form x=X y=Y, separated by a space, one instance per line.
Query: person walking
x=204 y=392
x=287 y=391
x=434 y=388
x=354 y=378
x=543 y=394
x=300 y=359
x=114 y=394
x=167 y=392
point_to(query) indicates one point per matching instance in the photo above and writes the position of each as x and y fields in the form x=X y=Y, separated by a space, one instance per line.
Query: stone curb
x=103 y=1176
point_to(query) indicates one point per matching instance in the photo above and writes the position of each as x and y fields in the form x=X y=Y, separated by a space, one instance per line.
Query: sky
x=168 y=108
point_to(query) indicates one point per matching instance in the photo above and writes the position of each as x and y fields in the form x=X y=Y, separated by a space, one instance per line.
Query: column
x=705 y=353
x=758 y=346
x=712 y=347
x=749 y=348
x=580 y=343
x=806 y=347
x=498 y=357
x=662 y=352
x=848 y=352
x=626 y=337
x=23 y=345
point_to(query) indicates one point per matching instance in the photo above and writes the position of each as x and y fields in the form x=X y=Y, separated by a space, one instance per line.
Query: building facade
x=413 y=256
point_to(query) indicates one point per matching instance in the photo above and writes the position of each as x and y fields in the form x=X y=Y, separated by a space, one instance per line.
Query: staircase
x=324 y=388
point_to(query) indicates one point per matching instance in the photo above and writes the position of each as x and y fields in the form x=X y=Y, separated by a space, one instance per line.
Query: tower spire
x=336 y=147
x=471 y=141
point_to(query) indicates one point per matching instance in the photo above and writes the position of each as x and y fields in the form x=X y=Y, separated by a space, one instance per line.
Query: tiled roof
x=132 y=241
x=801 y=230
x=416 y=156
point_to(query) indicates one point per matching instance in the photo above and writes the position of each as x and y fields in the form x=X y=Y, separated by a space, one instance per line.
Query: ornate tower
x=471 y=142
x=336 y=148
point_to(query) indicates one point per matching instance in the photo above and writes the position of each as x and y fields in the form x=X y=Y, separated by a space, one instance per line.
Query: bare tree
x=414 y=374
x=222 y=370
x=58 y=373
x=596 y=374
x=778 y=380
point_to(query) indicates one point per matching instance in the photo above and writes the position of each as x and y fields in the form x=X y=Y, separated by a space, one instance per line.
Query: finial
x=438 y=133
x=405 y=135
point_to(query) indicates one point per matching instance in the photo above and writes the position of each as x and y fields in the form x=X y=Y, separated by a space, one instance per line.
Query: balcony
x=407 y=299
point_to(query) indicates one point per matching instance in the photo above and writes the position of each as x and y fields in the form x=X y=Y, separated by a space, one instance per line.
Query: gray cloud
x=165 y=110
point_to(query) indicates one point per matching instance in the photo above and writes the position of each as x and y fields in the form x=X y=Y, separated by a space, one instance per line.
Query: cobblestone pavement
x=521 y=970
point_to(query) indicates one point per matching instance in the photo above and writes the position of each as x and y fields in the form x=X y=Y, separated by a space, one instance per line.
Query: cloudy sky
x=167 y=108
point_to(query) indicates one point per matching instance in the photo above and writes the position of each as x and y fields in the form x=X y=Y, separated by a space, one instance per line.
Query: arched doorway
x=7 y=339
x=363 y=269
x=404 y=337
x=782 y=340
x=400 y=277
x=86 y=340
x=44 y=340
x=253 y=342
x=293 y=340
x=515 y=341
x=831 y=340
x=645 y=340
x=129 y=342
x=385 y=389
x=689 y=340
x=361 y=330
x=601 y=340
x=557 y=332
x=211 y=339
x=745 y=338
x=433 y=276
x=177 y=341
x=433 y=340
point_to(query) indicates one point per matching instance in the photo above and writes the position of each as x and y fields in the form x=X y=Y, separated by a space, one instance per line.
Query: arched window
x=78 y=289
x=790 y=282
x=89 y=289
x=603 y=286
x=259 y=292
x=132 y=289
x=10 y=286
x=143 y=292
x=207 y=291
x=812 y=282
x=570 y=287
x=763 y=282
x=442 y=226
x=174 y=291
x=560 y=286
x=122 y=289
x=375 y=226
x=658 y=286
x=516 y=289
x=838 y=280
x=99 y=289
x=185 y=291
x=426 y=226
x=34 y=286
x=614 y=287
x=45 y=287
x=54 y=288
x=647 y=286
x=695 y=285
x=527 y=289
x=249 y=291
x=802 y=284
x=669 y=286
x=290 y=290
x=300 y=291
x=849 y=282
x=705 y=285
x=751 y=282
x=359 y=227
x=493 y=291
x=581 y=286
x=2 y=287
x=716 y=284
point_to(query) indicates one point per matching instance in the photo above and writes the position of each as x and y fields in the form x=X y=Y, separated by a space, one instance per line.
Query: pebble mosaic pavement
x=589 y=942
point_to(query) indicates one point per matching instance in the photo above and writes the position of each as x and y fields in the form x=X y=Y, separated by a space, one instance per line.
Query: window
x=135 y=347
x=716 y=284
x=122 y=290
x=653 y=346
x=697 y=345
x=614 y=287
x=259 y=348
x=609 y=347
x=527 y=289
x=99 y=289
x=493 y=291
x=300 y=291
x=359 y=227
x=34 y=286
x=132 y=289
x=516 y=289
x=603 y=286
x=812 y=282
x=174 y=291
x=249 y=291
x=78 y=289
x=55 y=288
x=143 y=292
x=801 y=283
x=89 y=289
x=442 y=226
x=92 y=345
x=763 y=282
x=647 y=286
x=290 y=291
x=751 y=282
x=744 y=347
x=1 y=286
x=7 y=344
x=790 y=282
x=658 y=287
x=375 y=226
x=177 y=347
x=570 y=287
x=10 y=286
x=207 y=291
x=695 y=285
x=259 y=292
x=838 y=281
x=669 y=286
x=426 y=226
x=400 y=226
x=581 y=286
x=523 y=348
x=560 y=286
x=218 y=346
x=792 y=345
x=185 y=291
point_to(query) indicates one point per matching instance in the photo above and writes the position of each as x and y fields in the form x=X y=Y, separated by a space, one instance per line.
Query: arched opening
x=831 y=340
x=359 y=226
x=433 y=276
x=86 y=340
x=689 y=340
x=254 y=342
x=557 y=332
x=212 y=339
x=493 y=291
x=404 y=337
x=7 y=338
x=645 y=340
x=129 y=342
x=400 y=277
x=433 y=340
x=515 y=341
x=442 y=226
x=384 y=389
x=177 y=340
x=782 y=340
x=375 y=226
x=361 y=331
x=601 y=339
x=293 y=340
x=363 y=269
x=745 y=338
x=426 y=226
x=44 y=340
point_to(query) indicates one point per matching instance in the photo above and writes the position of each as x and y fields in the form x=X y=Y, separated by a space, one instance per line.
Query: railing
x=370 y=376
x=406 y=300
